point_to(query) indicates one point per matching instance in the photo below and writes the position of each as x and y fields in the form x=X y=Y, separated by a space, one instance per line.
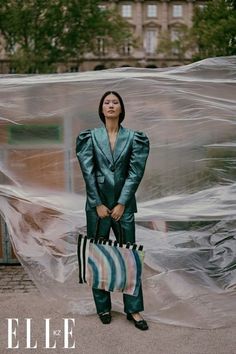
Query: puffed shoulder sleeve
x=85 y=155
x=82 y=140
x=138 y=159
x=141 y=143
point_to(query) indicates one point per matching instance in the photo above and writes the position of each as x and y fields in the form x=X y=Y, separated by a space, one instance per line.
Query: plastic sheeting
x=186 y=201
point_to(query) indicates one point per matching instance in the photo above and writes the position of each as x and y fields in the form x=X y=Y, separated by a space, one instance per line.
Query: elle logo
x=14 y=343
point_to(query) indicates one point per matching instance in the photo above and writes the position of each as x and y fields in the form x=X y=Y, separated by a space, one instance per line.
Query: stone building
x=150 y=20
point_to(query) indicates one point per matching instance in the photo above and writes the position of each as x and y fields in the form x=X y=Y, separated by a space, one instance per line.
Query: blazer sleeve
x=84 y=153
x=139 y=155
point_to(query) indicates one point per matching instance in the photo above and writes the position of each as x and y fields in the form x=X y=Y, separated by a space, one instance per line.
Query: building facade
x=150 y=22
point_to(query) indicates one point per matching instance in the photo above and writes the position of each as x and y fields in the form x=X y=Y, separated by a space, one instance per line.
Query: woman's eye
x=114 y=102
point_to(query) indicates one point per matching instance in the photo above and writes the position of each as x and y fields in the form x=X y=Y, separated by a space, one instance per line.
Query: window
x=175 y=38
x=177 y=10
x=34 y=134
x=126 y=10
x=150 y=41
x=127 y=47
x=174 y=35
x=152 y=11
x=101 y=46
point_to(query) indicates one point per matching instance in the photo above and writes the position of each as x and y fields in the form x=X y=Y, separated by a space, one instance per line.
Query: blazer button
x=112 y=168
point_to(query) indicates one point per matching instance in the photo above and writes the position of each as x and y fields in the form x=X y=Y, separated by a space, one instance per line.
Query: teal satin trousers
x=102 y=298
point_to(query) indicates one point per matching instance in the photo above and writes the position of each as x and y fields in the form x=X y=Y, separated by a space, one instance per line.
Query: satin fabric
x=111 y=178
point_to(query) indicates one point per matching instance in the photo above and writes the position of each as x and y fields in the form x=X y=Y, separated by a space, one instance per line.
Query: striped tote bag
x=109 y=265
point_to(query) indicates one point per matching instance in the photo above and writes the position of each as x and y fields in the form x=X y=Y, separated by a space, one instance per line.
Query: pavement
x=20 y=300
x=14 y=279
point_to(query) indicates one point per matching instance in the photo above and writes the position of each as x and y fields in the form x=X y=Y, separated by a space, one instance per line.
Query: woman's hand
x=117 y=212
x=102 y=211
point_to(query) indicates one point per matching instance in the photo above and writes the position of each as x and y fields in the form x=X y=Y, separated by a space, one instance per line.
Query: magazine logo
x=14 y=342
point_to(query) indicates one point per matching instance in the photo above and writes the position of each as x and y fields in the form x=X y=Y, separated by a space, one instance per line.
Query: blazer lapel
x=121 y=141
x=102 y=140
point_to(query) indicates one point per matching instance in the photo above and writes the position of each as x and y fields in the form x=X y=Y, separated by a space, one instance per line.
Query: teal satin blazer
x=112 y=177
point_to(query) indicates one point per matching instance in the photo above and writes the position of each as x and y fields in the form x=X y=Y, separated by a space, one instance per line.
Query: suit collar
x=121 y=141
x=101 y=136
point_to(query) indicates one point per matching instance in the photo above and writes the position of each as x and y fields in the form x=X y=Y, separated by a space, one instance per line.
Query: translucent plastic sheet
x=186 y=201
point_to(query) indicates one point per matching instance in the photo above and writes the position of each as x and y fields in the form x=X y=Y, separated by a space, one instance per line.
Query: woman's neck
x=112 y=126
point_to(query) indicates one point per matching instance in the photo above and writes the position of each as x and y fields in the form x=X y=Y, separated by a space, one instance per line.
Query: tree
x=213 y=33
x=214 y=29
x=40 y=33
x=177 y=43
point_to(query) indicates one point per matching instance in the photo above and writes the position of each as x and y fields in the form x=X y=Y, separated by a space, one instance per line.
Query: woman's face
x=111 y=107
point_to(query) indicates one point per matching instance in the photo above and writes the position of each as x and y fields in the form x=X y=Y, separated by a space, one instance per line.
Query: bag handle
x=121 y=234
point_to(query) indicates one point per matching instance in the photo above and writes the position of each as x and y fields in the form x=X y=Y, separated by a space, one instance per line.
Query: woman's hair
x=122 y=113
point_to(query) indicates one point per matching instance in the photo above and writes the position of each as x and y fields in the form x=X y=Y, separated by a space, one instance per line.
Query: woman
x=112 y=159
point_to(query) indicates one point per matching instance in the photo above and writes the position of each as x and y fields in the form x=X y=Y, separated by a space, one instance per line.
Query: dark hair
x=122 y=113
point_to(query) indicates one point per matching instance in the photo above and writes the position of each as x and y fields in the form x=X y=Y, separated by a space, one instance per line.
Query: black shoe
x=142 y=324
x=105 y=317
